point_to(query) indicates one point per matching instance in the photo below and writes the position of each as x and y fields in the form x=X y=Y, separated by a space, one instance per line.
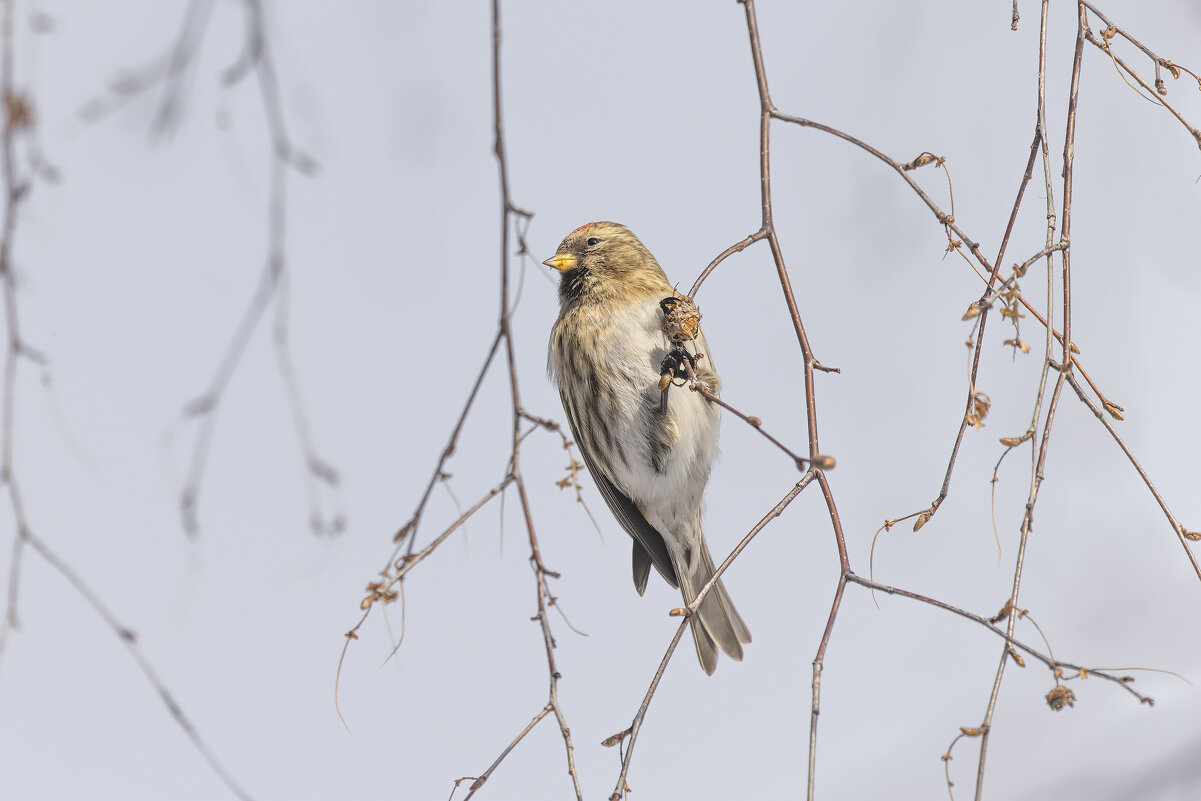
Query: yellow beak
x=561 y=262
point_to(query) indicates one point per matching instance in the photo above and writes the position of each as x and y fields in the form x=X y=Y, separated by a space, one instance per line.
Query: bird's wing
x=649 y=547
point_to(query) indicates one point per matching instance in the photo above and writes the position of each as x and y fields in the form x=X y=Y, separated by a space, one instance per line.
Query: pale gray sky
x=136 y=266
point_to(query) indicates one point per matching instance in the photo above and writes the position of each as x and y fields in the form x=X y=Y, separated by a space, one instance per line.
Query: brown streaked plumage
x=651 y=465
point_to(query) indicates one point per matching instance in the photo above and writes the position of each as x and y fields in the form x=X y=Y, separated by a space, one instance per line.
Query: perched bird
x=651 y=462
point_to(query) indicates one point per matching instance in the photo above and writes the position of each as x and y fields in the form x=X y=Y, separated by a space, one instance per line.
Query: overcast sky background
x=137 y=264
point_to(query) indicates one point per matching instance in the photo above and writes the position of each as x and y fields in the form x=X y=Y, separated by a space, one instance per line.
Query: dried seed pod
x=682 y=319
x=1060 y=696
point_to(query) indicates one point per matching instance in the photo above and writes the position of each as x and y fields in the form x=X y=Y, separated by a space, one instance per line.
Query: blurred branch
x=129 y=639
x=16 y=190
x=169 y=69
x=18 y=121
x=272 y=292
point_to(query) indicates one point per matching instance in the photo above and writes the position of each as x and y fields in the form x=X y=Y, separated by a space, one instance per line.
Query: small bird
x=651 y=461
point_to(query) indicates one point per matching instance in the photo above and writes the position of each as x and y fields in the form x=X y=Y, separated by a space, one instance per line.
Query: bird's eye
x=592 y=241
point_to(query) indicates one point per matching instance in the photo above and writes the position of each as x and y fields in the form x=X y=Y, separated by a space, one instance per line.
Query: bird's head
x=603 y=258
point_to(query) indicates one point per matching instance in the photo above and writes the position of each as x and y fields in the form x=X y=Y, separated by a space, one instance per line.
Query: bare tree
x=1027 y=307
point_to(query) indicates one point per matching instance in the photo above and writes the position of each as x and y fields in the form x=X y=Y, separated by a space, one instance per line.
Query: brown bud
x=613 y=740
x=922 y=520
x=824 y=462
x=400 y=535
x=19 y=111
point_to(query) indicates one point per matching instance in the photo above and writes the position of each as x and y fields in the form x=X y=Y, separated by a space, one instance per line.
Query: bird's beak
x=561 y=262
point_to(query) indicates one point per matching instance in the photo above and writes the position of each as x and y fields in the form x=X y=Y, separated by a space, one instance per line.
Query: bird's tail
x=717 y=623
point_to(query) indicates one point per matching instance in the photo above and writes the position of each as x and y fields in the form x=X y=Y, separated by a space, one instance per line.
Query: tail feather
x=717 y=623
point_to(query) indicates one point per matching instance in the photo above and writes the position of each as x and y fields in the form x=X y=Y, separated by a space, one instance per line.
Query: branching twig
x=170 y=69
x=511 y=217
x=640 y=715
x=767 y=232
x=272 y=292
x=1157 y=93
x=1065 y=366
x=1010 y=641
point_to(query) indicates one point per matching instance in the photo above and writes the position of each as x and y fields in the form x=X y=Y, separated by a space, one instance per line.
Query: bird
x=650 y=458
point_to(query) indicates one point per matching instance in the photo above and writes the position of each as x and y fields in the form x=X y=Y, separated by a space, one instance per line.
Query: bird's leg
x=667 y=371
x=678 y=363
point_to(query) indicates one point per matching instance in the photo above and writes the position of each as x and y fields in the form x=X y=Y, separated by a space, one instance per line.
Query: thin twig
x=407 y=534
x=511 y=217
x=1068 y=667
x=1039 y=455
x=640 y=716
x=15 y=192
x=272 y=292
x=767 y=113
x=130 y=641
x=1178 y=529
x=170 y=69
x=483 y=777
x=1158 y=91
x=508 y=212
x=753 y=422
